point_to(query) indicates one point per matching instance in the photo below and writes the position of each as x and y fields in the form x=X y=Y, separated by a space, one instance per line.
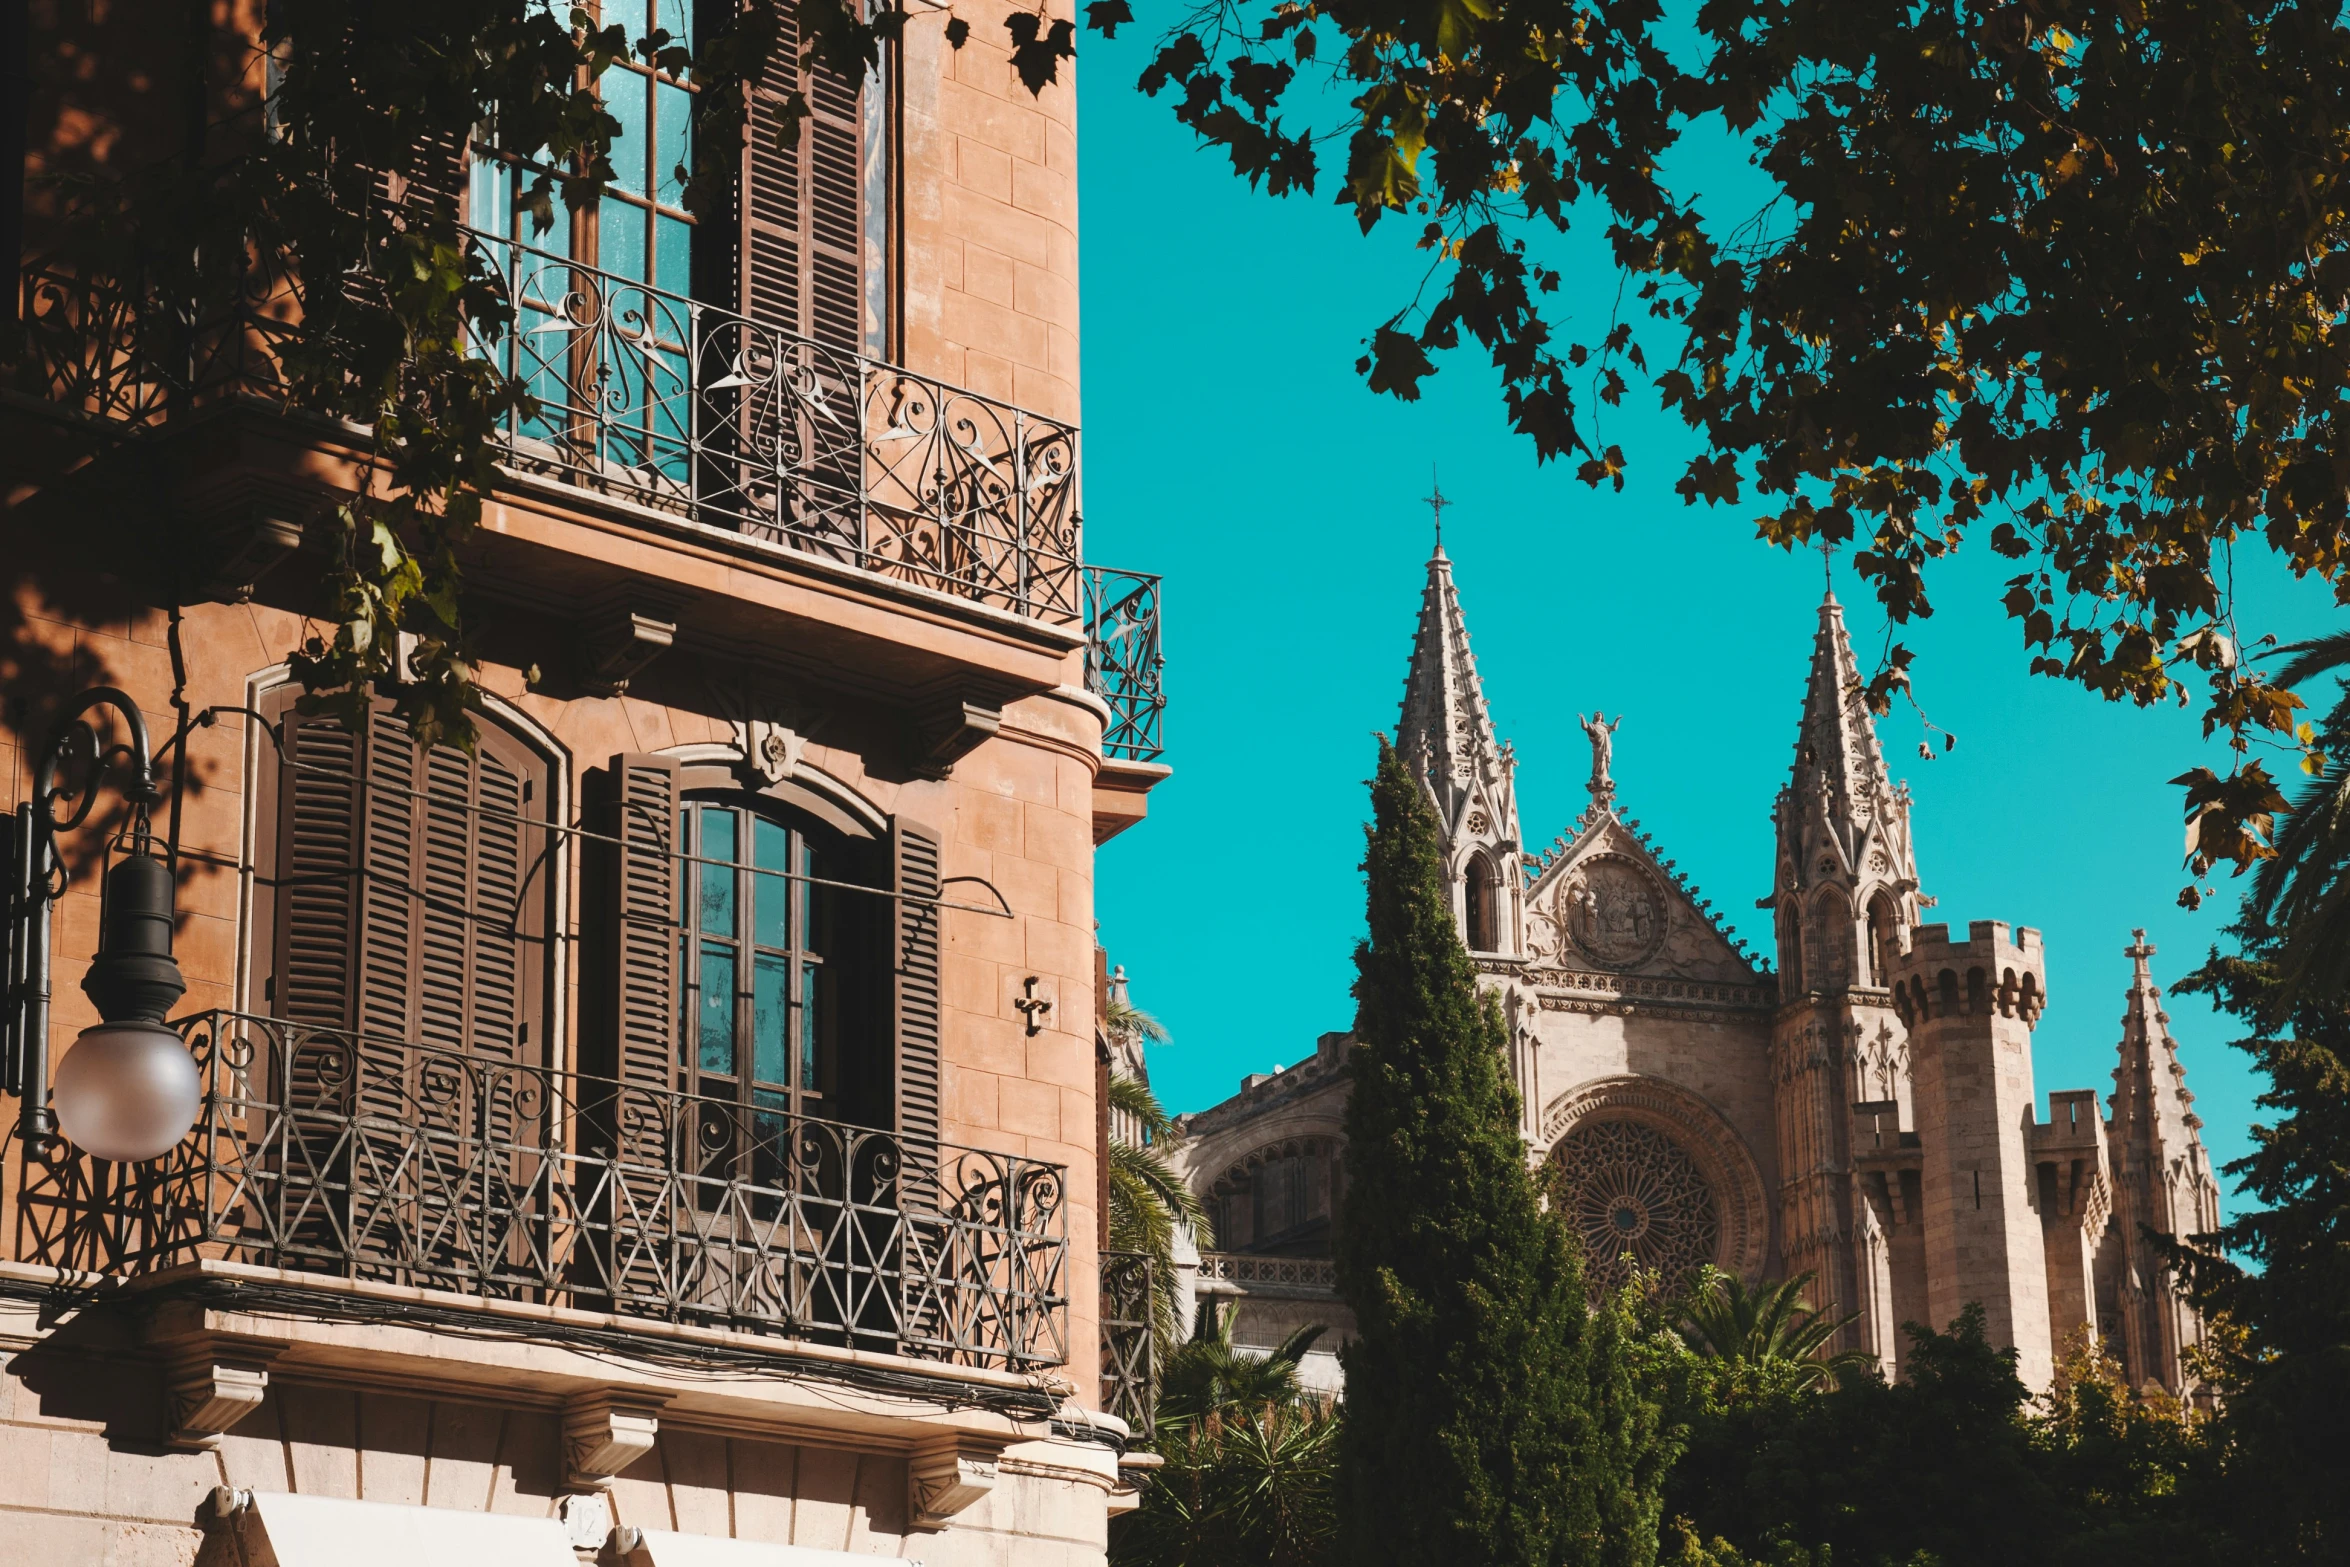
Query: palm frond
x=1124 y=1020
x=2303 y=891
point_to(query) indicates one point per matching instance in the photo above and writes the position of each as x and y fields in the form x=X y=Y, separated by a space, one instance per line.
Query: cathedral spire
x=1847 y=885
x=1446 y=736
x=2162 y=1178
x=1837 y=742
x=2152 y=1109
x=1446 y=732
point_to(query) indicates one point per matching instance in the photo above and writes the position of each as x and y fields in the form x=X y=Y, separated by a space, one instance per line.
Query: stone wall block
x=765 y=1476
x=827 y=1500
x=322 y=1433
x=696 y=1462
x=463 y=1471
x=397 y=1437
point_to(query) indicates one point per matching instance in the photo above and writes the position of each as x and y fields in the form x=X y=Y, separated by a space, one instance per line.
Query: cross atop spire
x=1437 y=503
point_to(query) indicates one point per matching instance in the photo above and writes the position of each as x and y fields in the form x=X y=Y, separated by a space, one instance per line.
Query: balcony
x=386 y=1163
x=682 y=416
x=1123 y=660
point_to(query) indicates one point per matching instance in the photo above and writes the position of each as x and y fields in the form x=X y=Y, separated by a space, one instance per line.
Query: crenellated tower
x=2163 y=1183
x=1446 y=736
x=1843 y=899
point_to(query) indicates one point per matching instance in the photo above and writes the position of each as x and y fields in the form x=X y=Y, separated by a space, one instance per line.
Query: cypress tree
x=1489 y=1419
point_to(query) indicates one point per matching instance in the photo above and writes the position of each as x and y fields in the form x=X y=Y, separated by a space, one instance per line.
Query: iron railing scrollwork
x=327 y=1154
x=1124 y=661
x=644 y=395
x=1130 y=1371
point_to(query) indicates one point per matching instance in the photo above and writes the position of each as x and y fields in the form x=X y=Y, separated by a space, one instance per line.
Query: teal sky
x=1230 y=445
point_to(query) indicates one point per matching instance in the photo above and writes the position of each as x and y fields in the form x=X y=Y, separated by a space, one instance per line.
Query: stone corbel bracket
x=205 y=1394
x=604 y=1432
x=238 y=550
x=949 y=730
x=946 y=1475
x=617 y=642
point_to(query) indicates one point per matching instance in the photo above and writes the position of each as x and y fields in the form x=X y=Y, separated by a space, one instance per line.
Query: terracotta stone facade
x=1864 y=1113
x=855 y=1390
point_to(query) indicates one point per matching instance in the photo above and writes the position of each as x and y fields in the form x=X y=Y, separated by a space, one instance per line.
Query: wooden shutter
x=630 y=1015
x=411 y=907
x=411 y=892
x=915 y=855
x=317 y=867
x=803 y=231
x=632 y=890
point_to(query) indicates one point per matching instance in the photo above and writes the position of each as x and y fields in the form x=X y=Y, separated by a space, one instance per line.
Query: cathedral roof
x=1446 y=732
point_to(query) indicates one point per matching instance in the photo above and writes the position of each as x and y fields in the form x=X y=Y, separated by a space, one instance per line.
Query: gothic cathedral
x=1866 y=1113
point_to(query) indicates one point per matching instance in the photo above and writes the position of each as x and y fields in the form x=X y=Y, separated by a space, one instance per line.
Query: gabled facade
x=1864 y=1113
x=669 y=1130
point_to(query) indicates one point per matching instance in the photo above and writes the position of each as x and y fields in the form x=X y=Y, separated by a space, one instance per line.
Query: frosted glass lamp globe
x=128 y=1091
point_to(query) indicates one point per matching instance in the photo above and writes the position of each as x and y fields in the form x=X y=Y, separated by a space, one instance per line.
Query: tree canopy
x=2070 y=270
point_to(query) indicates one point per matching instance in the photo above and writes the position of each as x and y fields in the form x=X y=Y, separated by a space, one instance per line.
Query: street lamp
x=128 y=1090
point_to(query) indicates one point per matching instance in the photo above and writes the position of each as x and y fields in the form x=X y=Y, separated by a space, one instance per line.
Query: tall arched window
x=1791 y=974
x=1480 y=892
x=784 y=979
x=1831 y=941
x=1884 y=939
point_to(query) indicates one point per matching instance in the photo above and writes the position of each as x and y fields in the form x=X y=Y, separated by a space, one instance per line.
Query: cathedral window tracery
x=1631 y=1191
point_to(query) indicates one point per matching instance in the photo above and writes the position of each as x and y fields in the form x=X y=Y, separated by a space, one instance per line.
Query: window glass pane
x=811 y=987
x=490 y=200
x=673 y=125
x=771 y=1013
x=717 y=900
x=620 y=247
x=804 y=896
x=624 y=100
x=774 y=894
x=671 y=17
x=715 y=1015
x=673 y=269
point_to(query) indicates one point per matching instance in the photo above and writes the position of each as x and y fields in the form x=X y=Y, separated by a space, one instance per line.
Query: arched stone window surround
x=1884 y=937
x=1711 y=1143
x=1241 y=1174
x=1480 y=905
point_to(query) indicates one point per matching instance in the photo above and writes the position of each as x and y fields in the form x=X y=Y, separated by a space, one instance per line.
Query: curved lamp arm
x=40 y=823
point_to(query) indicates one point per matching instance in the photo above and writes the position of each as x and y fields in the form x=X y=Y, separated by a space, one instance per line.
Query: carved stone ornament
x=207 y=1396
x=1479 y=823
x=945 y=1477
x=770 y=731
x=605 y=1432
x=1612 y=909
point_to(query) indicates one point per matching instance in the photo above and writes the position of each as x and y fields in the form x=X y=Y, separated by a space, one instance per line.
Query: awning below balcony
x=660 y=1548
x=280 y=1529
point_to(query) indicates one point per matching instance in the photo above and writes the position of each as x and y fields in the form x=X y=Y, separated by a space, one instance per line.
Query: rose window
x=1628 y=1188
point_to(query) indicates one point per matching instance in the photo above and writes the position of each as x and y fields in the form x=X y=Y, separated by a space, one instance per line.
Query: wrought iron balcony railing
x=1123 y=661
x=1130 y=1370
x=653 y=398
x=327 y=1154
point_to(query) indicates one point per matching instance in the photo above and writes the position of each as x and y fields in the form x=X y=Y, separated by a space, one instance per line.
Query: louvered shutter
x=804 y=212
x=411 y=912
x=631 y=1006
x=916 y=854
